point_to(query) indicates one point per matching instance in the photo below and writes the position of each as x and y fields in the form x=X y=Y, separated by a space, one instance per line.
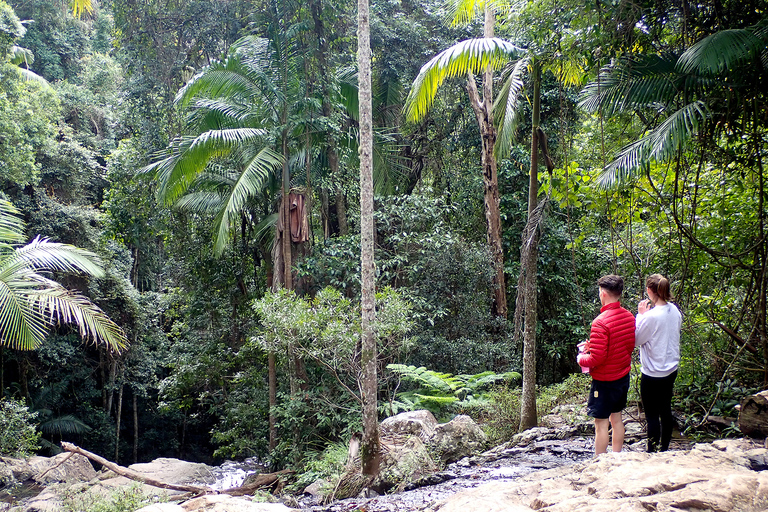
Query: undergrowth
x=125 y=499
x=500 y=417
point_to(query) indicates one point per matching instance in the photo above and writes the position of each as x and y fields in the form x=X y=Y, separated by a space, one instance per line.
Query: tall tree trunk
x=272 y=400
x=370 y=449
x=135 y=428
x=528 y=414
x=483 y=111
x=117 y=422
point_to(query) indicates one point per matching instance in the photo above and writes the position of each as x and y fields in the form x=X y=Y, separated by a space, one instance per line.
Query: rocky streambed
x=550 y=469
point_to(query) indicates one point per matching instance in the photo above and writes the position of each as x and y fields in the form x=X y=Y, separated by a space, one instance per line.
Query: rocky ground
x=548 y=468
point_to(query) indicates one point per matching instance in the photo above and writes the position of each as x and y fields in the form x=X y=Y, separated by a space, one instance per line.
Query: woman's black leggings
x=656 y=393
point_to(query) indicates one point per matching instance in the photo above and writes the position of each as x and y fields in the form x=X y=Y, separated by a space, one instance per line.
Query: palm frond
x=658 y=144
x=462 y=12
x=203 y=201
x=11 y=225
x=22 y=327
x=249 y=184
x=64 y=306
x=645 y=81
x=505 y=111
x=347 y=80
x=723 y=51
x=472 y=55
x=42 y=254
x=81 y=6
x=67 y=424
x=21 y=56
x=186 y=157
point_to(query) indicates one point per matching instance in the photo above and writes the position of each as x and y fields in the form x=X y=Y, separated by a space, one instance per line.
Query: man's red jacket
x=611 y=342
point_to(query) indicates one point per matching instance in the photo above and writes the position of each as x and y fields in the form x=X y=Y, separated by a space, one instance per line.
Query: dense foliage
x=161 y=136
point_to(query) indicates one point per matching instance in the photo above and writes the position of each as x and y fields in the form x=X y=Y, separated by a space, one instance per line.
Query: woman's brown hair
x=659 y=285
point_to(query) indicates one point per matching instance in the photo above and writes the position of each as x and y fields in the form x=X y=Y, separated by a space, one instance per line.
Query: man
x=608 y=355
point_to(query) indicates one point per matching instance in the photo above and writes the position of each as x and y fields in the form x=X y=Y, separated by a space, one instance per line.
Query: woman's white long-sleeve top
x=657 y=333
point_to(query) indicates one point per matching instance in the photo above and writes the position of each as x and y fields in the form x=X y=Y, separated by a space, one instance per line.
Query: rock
x=317 y=488
x=709 y=477
x=459 y=438
x=6 y=476
x=46 y=501
x=168 y=470
x=64 y=467
x=753 y=415
x=20 y=468
x=217 y=503
x=420 y=423
x=402 y=464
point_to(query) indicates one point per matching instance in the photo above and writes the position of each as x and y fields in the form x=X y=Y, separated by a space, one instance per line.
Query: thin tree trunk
x=117 y=423
x=111 y=385
x=272 y=400
x=135 y=428
x=528 y=413
x=370 y=448
x=341 y=212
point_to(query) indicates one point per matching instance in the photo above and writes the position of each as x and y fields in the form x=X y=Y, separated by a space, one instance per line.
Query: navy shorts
x=607 y=397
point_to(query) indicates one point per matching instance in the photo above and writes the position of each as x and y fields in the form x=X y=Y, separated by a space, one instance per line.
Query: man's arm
x=598 y=347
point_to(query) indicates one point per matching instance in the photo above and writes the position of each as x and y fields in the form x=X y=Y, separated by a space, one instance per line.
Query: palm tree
x=498 y=120
x=468 y=58
x=679 y=96
x=227 y=161
x=31 y=303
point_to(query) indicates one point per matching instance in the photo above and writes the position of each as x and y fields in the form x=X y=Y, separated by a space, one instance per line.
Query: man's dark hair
x=613 y=283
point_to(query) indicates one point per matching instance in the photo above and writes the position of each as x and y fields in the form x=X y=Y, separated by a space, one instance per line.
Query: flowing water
x=503 y=465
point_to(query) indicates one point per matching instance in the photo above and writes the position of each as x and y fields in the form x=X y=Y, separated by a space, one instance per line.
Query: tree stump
x=753 y=415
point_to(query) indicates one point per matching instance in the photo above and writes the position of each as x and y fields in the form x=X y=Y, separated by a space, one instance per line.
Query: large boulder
x=461 y=437
x=64 y=467
x=420 y=423
x=404 y=463
x=717 y=477
x=164 y=469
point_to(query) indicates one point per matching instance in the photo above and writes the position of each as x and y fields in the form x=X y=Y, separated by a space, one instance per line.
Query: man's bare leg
x=617 y=438
x=601 y=435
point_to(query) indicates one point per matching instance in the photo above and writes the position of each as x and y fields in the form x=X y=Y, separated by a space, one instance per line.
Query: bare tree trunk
x=528 y=414
x=341 y=212
x=135 y=428
x=111 y=385
x=370 y=448
x=117 y=423
x=272 y=400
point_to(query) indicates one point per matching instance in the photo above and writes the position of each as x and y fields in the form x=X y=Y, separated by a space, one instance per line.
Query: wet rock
x=420 y=423
x=457 y=439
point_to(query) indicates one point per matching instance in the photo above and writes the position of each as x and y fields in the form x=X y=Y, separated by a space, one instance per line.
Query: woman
x=657 y=333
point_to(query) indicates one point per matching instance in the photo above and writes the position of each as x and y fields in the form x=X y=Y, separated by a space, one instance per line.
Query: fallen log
x=753 y=415
x=271 y=480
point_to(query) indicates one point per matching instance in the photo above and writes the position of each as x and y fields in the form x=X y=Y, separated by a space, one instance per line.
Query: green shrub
x=121 y=500
x=500 y=417
x=18 y=435
x=327 y=465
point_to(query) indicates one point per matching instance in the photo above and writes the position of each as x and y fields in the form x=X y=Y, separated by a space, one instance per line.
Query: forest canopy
x=206 y=155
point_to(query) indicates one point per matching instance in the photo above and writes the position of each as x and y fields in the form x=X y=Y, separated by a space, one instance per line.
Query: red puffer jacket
x=611 y=342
